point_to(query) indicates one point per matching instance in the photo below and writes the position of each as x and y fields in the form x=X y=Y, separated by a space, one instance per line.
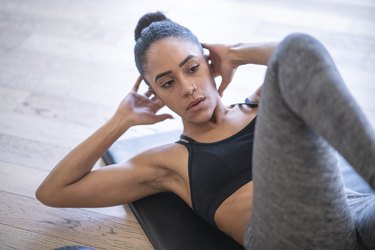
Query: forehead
x=170 y=52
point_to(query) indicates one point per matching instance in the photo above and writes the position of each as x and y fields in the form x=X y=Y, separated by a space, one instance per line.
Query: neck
x=218 y=117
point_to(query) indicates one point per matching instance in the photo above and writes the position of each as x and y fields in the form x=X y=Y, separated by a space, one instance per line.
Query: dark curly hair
x=153 y=27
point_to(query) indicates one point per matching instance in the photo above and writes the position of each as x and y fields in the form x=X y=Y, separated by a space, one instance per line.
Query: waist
x=206 y=207
x=234 y=214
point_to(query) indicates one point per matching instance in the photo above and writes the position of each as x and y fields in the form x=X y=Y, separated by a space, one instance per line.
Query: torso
x=234 y=213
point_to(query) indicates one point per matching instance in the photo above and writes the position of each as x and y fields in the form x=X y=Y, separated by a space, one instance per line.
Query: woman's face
x=179 y=75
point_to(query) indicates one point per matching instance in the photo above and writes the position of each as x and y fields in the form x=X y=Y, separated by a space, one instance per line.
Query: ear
x=150 y=89
x=210 y=69
x=206 y=58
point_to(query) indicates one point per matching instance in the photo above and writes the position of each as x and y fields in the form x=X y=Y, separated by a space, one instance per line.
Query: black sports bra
x=218 y=169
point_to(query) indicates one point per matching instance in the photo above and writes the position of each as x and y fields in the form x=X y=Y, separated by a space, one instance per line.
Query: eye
x=167 y=84
x=194 y=68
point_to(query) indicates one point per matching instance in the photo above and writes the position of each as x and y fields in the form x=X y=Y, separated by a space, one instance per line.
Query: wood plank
x=30 y=153
x=360 y=84
x=65 y=109
x=370 y=63
x=359 y=9
x=20 y=180
x=108 y=89
x=20 y=81
x=10 y=98
x=80 y=50
x=24 y=181
x=333 y=40
x=62 y=134
x=77 y=225
x=34 y=62
x=304 y=15
x=14 y=238
x=13 y=40
x=33 y=147
x=64 y=19
x=42 y=129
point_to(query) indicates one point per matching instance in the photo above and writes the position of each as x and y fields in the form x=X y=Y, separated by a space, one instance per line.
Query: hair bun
x=146 y=20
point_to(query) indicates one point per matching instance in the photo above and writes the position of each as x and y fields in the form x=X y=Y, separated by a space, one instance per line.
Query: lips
x=195 y=102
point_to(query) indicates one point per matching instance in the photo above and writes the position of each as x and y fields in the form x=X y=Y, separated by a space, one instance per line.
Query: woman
x=282 y=191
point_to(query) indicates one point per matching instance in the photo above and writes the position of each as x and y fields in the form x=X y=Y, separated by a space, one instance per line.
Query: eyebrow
x=162 y=74
x=186 y=60
x=169 y=71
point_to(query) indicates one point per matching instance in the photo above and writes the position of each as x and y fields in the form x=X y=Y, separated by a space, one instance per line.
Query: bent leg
x=299 y=199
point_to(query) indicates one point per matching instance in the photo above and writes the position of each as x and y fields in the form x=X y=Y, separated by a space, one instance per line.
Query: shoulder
x=161 y=155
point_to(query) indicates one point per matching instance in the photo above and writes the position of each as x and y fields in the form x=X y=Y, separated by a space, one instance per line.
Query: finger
x=157 y=103
x=223 y=86
x=162 y=117
x=206 y=45
x=155 y=99
x=137 y=83
x=221 y=91
x=149 y=92
x=213 y=71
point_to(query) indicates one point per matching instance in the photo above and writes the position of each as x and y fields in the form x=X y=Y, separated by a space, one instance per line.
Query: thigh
x=299 y=200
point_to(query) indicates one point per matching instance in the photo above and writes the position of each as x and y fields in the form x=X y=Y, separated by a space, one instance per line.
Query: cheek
x=169 y=98
x=174 y=102
x=207 y=76
x=208 y=84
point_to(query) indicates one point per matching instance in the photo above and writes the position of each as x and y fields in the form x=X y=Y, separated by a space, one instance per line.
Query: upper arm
x=114 y=184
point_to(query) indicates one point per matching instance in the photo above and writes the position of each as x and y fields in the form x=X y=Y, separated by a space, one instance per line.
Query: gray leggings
x=306 y=116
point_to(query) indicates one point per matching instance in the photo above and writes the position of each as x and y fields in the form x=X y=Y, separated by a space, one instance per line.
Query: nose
x=188 y=88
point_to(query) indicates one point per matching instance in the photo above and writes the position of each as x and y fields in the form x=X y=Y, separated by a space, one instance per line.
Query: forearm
x=81 y=159
x=244 y=53
x=253 y=54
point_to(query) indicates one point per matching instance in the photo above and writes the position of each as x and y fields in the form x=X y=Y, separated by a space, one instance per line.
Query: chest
x=211 y=166
x=216 y=170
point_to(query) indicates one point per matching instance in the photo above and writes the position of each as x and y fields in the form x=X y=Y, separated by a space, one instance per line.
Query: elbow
x=41 y=196
x=45 y=197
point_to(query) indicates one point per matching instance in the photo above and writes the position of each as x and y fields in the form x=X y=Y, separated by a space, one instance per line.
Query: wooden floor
x=65 y=65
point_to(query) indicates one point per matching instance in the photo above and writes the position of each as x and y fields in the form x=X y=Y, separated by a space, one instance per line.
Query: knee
x=297 y=40
x=301 y=47
x=297 y=61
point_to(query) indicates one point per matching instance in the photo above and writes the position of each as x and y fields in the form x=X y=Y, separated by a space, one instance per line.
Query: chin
x=201 y=117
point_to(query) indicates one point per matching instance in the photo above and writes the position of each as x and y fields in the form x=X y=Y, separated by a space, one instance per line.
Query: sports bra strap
x=247 y=103
x=184 y=140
